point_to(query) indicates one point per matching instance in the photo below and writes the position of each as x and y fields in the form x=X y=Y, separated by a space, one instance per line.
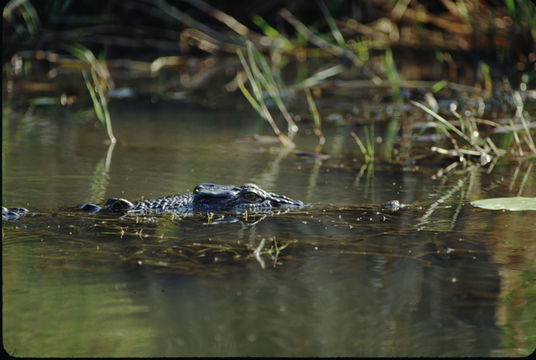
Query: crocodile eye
x=250 y=196
x=196 y=190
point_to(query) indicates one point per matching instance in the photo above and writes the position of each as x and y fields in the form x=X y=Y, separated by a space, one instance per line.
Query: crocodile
x=207 y=198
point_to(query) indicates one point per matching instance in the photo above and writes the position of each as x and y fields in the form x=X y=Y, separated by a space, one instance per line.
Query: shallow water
x=341 y=278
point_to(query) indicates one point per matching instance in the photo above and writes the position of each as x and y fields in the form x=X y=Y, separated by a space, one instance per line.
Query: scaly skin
x=213 y=198
x=204 y=198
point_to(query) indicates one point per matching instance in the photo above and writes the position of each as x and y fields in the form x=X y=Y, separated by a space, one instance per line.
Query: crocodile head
x=248 y=197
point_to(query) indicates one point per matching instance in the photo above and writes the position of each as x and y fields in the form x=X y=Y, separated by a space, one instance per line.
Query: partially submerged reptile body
x=208 y=198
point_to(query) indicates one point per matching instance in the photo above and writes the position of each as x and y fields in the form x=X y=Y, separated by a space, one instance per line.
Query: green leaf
x=507 y=203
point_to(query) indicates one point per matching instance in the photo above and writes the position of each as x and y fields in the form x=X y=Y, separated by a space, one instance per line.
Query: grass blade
x=447 y=125
x=316 y=117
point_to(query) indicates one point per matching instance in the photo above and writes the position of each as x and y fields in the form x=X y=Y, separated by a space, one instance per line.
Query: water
x=438 y=278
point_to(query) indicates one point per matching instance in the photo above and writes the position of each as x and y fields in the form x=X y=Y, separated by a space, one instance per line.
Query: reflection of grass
x=274 y=251
x=99 y=182
x=517 y=307
x=369 y=169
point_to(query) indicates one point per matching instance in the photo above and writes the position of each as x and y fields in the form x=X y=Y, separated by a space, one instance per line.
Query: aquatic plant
x=392 y=74
x=330 y=50
x=469 y=137
x=274 y=251
x=339 y=50
x=97 y=85
x=26 y=11
x=367 y=148
x=482 y=147
x=524 y=14
x=316 y=117
x=260 y=79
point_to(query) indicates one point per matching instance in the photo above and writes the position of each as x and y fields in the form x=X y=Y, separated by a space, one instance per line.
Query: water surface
x=341 y=278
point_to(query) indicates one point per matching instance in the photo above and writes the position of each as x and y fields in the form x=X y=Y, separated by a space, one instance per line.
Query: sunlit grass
x=337 y=49
x=392 y=74
x=524 y=14
x=279 y=41
x=473 y=144
x=316 y=117
x=97 y=85
x=27 y=12
x=260 y=81
x=367 y=146
x=328 y=50
x=468 y=136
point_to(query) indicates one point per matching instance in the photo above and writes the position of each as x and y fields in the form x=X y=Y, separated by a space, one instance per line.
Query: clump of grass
x=278 y=39
x=335 y=32
x=339 y=49
x=320 y=76
x=316 y=117
x=468 y=134
x=98 y=85
x=524 y=13
x=392 y=74
x=520 y=114
x=367 y=148
x=26 y=11
x=261 y=80
x=486 y=79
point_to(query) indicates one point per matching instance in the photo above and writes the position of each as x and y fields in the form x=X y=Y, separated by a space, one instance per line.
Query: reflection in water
x=101 y=176
x=349 y=280
x=267 y=178
x=325 y=306
x=373 y=289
